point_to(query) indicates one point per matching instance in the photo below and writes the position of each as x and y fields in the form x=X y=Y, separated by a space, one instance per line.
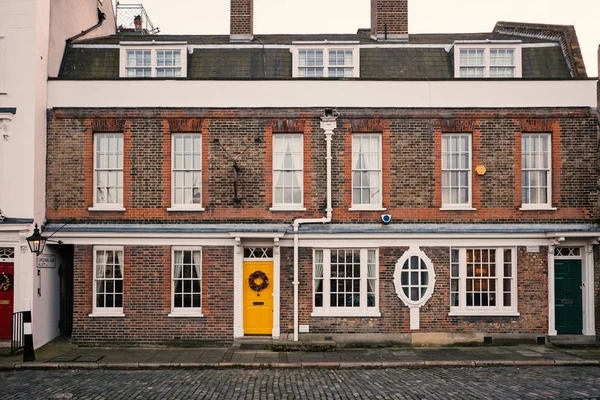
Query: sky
x=346 y=16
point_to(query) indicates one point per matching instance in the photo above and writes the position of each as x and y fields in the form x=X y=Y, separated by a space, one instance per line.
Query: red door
x=6 y=298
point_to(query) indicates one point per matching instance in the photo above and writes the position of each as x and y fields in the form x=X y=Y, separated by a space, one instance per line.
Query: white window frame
x=376 y=169
x=288 y=206
x=499 y=309
x=486 y=47
x=153 y=47
x=185 y=311
x=325 y=47
x=363 y=311
x=185 y=206
x=117 y=206
x=107 y=311
x=468 y=204
x=3 y=68
x=548 y=204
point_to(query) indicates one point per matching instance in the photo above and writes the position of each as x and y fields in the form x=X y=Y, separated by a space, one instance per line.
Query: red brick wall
x=411 y=163
x=241 y=17
x=147 y=300
x=532 y=293
x=390 y=16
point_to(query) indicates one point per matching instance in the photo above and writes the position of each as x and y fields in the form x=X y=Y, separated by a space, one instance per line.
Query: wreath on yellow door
x=6 y=281
x=264 y=281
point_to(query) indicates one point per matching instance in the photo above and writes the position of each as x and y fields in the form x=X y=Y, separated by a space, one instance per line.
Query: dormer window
x=487 y=61
x=325 y=60
x=153 y=60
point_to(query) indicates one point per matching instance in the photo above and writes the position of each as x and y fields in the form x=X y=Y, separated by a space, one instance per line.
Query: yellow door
x=258 y=297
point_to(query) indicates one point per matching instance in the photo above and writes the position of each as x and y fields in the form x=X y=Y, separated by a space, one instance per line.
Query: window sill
x=484 y=313
x=457 y=208
x=337 y=314
x=537 y=208
x=290 y=208
x=185 y=315
x=376 y=208
x=185 y=209
x=118 y=209
x=105 y=314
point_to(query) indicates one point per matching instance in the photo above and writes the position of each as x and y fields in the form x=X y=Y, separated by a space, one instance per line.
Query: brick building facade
x=369 y=187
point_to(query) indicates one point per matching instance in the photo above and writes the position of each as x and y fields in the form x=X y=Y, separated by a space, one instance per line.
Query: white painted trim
x=182 y=47
x=469 y=204
x=405 y=45
x=451 y=207
x=326 y=310
x=491 y=313
x=322 y=93
x=587 y=275
x=191 y=47
x=486 y=46
x=548 y=204
x=276 y=333
x=108 y=206
x=324 y=42
x=551 y=292
x=185 y=315
x=186 y=206
x=414 y=306
x=378 y=168
x=105 y=315
x=95 y=46
x=499 y=309
x=237 y=46
x=179 y=208
x=238 y=289
x=537 y=45
x=107 y=311
x=153 y=43
x=326 y=47
x=357 y=207
x=186 y=311
x=278 y=209
x=287 y=206
x=533 y=207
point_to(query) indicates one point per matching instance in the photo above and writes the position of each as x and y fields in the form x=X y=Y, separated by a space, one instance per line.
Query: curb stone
x=332 y=365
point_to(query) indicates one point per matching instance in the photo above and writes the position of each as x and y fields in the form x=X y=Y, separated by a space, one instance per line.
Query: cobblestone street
x=401 y=383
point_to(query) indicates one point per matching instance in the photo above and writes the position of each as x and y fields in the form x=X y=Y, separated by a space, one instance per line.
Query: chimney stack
x=241 y=21
x=389 y=19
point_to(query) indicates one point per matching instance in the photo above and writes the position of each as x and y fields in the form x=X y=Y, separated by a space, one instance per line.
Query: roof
x=549 y=52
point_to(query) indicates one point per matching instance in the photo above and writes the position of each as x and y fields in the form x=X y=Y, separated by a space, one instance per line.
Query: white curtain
x=177 y=273
x=100 y=263
x=197 y=262
x=118 y=273
x=371 y=272
x=319 y=264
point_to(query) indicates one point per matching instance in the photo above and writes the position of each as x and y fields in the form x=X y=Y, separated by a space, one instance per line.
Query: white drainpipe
x=328 y=124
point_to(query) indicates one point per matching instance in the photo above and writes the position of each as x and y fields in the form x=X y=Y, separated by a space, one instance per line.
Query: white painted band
x=27 y=328
x=303 y=93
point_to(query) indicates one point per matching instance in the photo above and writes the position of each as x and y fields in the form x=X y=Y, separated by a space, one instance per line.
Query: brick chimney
x=241 y=21
x=389 y=19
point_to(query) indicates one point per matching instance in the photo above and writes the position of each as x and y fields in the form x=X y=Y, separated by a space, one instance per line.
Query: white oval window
x=414 y=277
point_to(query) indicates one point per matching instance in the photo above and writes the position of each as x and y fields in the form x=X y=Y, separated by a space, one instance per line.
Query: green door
x=567 y=304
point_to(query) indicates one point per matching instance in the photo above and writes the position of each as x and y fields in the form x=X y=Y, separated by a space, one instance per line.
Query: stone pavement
x=61 y=354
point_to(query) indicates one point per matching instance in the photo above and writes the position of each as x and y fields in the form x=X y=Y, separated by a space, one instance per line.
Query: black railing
x=16 y=340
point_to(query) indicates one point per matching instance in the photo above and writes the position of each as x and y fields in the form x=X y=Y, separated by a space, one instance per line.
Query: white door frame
x=586 y=255
x=239 y=281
